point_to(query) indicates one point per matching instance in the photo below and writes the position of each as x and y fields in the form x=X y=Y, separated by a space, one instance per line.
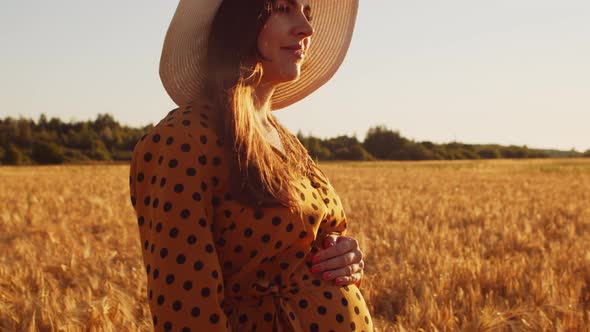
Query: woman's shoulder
x=188 y=126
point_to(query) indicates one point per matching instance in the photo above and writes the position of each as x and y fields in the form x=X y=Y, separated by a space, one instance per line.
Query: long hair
x=259 y=175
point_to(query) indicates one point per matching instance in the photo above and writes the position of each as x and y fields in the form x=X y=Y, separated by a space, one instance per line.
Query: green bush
x=47 y=153
x=122 y=155
x=489 y=153
x=13 y=156
x=74 y=156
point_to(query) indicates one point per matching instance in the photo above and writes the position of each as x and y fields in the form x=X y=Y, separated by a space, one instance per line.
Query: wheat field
x=499 y=245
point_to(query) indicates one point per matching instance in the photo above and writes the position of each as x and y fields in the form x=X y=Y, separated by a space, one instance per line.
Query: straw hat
x=184 y=49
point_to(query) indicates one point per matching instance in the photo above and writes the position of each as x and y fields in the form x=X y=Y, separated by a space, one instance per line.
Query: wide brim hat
x=184 y=50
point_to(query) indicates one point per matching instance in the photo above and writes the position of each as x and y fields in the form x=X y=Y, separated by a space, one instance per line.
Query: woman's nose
x=305 y=29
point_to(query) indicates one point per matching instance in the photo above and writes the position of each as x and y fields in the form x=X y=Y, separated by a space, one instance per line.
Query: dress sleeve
x=170 y=191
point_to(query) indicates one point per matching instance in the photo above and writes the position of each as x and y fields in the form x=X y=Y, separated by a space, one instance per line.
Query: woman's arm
x=171 y=195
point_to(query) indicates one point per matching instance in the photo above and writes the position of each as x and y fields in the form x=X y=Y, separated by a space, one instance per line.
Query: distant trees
x=23 y=141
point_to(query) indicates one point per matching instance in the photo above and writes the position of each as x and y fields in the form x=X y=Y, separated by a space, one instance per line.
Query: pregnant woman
x=240 y=230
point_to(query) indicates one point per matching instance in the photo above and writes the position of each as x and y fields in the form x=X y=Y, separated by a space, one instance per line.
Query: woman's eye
x=283 y=8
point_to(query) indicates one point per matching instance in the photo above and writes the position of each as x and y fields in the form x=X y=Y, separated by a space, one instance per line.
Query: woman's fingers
x=349 y=280
x=341 y=261
x=346 y=271
x=343 y=245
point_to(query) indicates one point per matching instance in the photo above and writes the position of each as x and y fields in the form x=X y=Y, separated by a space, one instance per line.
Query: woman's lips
x=298 y=53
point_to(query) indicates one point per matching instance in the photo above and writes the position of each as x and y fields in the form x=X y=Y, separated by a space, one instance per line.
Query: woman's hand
x=342 y=260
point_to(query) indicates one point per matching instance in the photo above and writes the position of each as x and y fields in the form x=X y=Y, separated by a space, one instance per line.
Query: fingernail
x=315 y=269
x=327 y=275
x=315 y=259
x=339 y=281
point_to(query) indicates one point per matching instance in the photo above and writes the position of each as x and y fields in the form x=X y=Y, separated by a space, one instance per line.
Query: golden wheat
x=461 y=245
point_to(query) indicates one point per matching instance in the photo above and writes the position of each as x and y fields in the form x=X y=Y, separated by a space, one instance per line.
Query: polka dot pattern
x=216 y=264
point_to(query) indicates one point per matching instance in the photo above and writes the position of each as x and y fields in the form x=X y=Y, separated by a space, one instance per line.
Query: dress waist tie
x=269 y=296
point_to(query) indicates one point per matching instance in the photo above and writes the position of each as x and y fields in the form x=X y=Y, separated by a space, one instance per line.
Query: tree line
x=27 y=142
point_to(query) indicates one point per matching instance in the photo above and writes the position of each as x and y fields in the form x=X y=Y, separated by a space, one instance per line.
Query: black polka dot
x=185 y=214
x=177 y=305
x=303 y=304
x=205 y=291
x=268 y=316
x=173 y=232
x=185 y=147
x=236 y=288
x=243 y=318
x=191 y=239
x=258 y=214
x=260 y=274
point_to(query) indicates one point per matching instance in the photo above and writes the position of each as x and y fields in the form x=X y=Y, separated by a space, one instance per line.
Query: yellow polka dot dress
x=214 y=264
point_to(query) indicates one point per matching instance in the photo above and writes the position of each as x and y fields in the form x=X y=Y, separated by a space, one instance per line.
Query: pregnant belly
x=329 y=307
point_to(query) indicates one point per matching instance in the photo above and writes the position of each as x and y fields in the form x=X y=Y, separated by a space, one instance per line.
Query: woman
x=240 y=230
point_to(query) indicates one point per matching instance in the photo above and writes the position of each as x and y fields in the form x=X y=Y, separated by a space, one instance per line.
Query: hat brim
x=183 y=52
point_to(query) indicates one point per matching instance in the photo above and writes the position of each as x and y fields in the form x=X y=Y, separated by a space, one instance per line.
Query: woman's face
x=287 y=26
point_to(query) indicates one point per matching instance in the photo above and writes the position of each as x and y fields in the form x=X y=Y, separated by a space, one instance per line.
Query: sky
x=502 y=71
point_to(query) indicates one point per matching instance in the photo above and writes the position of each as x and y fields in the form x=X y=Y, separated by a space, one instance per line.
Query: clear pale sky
x=502 y=71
